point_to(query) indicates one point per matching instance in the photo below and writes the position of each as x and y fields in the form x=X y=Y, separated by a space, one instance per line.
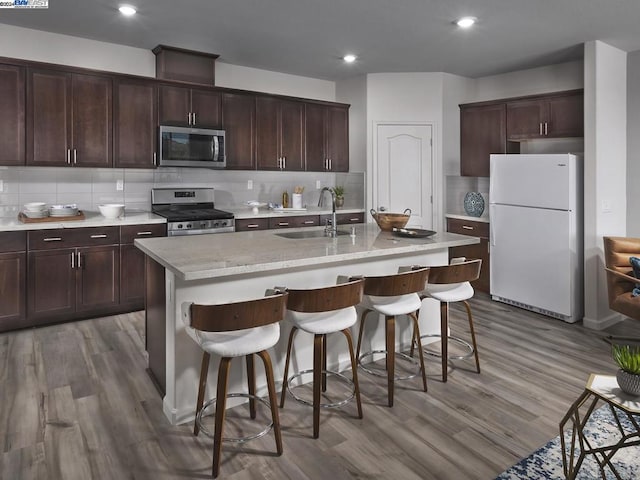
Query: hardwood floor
x=76 y=403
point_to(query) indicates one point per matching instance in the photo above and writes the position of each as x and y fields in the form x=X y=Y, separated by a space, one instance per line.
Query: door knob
x=382 y=209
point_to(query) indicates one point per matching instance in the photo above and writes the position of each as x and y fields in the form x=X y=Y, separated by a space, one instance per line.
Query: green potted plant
x=627 y=357
x=339 y=193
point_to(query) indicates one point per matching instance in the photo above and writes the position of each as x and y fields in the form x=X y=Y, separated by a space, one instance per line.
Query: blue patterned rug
x=546 y=462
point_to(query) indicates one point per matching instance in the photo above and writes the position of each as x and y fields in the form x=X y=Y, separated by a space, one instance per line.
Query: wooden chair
x=235 y=330
x=390 y=296
x=620 y=279
x=322 y=311
x=447 y=284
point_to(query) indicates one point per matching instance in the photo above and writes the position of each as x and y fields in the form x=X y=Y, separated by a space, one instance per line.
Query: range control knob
x=188 y=225
x=179 y=225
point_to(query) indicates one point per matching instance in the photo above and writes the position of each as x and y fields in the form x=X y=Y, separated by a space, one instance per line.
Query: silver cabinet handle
x=155 y=163
x=52 y=239
x=68 y=156
x=100 y=235
x=467 y=227
x=280 y=162
x=79 y=260
x=194 y=118
x=546 y=128
x=189 y=118
x=326 y=164
x=73 y=260
x=283 y=224
x=284 y=163
x=75 y=156
x=540 y=128
x=253 y=225
x=330 y=164
x=144 y=233
x=354 y=219
x=309 y=222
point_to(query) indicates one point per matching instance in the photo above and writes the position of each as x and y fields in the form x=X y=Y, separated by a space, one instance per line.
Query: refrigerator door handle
x=492 y=225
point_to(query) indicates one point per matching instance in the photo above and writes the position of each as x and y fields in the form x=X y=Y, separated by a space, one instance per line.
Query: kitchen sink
x=308 y=234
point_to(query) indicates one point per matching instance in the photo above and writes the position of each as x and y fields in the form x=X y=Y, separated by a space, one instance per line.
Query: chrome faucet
x=333 y=231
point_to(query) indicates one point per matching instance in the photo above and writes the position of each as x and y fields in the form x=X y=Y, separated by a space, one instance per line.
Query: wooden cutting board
x=24 y=219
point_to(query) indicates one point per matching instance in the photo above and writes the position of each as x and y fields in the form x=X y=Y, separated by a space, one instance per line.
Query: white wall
x=604 y=168
x=354 y=92
x=633 y=144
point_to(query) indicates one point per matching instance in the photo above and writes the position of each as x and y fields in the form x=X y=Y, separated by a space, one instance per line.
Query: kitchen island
x=240 y=266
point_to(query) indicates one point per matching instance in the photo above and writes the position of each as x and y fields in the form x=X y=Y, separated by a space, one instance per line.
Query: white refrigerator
x=536 y=239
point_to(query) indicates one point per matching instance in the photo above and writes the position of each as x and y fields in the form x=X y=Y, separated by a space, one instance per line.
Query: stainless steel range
x=189 y=211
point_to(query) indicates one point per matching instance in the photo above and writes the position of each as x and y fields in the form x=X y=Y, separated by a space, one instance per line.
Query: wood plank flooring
x=76 y=403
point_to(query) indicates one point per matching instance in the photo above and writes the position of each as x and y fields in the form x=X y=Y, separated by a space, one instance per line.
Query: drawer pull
x=309 y=222
x=52 y=239
x=253 y=225
x=145 y=233
x=467 y=227
x=354 y=219
x=283 y=224
x=100 y=235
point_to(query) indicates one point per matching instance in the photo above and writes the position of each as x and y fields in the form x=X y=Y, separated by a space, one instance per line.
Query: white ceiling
x=309 y=37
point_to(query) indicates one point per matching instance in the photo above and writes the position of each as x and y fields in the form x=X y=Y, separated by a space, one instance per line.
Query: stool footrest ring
x=457 y=340
x=381 y=374
x=323 y=405
x=208 y=433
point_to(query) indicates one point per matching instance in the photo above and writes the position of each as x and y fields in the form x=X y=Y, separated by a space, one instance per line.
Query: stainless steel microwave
x=192 y=147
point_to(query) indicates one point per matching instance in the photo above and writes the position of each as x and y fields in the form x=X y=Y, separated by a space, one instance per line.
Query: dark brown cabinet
x=135 y=124
x=132 y=270
x=248 y=224
x=190 y=107
x=279 y=134
x=553 y=116
x=12 y=280
x=239 y=123
x=482 y=132
x=69 y=119
x=12 y=115
x=479 y=250
x=326 y=134
x=266 y=223
x=344 y=218
x=294 y=221
x=72 y=272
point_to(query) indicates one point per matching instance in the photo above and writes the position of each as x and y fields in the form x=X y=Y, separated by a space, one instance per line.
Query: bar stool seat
x=395 y=305
x=450 y=293
x=323 y=322
x=231 y=330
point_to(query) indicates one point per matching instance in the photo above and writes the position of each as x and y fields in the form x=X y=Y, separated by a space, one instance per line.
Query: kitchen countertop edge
x=92 y=219
x=483 y=219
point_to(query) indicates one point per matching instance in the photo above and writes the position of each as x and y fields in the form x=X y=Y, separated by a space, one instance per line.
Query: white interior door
x=404 y=171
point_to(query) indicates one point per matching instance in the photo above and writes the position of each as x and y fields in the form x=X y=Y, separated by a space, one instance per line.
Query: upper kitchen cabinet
x=69 y=119
x=279 y=134
x=135 y=124
x=190 y=107
x=482 y=132
x=12 y=115
x=239 y=123
x=549 y=116
x=326 y=138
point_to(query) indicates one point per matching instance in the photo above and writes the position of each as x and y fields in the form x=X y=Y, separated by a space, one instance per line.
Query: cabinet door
x=12 y=115
x=471 y=252
x=239 y=122
x=98 y=277
x=206 y=106
x=51 y=285
x=92 y=121
x=565 y=117
x=12 y=290
x=245 y=225
x=291 y=134
x=525 y=119
x=175 y=105
x=135 y=119
x=268 y=150
x=338 y=139
x=315 y=134
x=132 y=282
x=48 y=118
x=482 y=132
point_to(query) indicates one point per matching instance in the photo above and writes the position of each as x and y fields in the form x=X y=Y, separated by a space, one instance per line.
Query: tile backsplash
x=90 y=187
x=457 y=187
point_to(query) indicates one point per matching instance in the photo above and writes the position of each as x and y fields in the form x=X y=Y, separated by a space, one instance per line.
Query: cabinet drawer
x=128 y=233
x=13 y=242
x=247 y=224
x=69 y=238
x=296 y=221
x=344 y=218
x=467 y=227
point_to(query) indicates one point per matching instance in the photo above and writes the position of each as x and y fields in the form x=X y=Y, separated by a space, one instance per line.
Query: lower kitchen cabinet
x=344 y=218
x=12 y=280
x=247 y=224
x=478 y=250
x=294 y=221
x=98 y=275
x=51 y=285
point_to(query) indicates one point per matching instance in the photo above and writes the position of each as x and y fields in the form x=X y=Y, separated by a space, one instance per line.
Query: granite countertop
x=208 y=256
x=92 y=219
x=484 y=218
x=243 y=211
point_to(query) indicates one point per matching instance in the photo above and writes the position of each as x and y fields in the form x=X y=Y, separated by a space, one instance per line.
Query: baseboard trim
x=602 y=323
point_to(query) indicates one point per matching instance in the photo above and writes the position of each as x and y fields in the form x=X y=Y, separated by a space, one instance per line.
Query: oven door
x=195 y=231
x=192 y=147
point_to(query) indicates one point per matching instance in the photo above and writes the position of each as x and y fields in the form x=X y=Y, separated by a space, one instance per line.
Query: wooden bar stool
x=235 y=330
x=447 y=284
x=322 y=311
x=390 y=296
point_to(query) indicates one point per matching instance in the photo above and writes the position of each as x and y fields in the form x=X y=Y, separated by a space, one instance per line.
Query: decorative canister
x=628 y=382
x=473 y=204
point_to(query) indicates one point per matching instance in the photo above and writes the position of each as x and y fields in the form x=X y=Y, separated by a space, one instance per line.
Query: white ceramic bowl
x=111 y=210
x=35 y=206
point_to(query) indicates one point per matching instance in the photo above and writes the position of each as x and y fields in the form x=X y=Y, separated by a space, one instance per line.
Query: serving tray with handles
x=24 y=219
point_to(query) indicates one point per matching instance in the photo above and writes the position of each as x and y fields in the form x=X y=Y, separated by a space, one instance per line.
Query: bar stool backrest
x=239 y=315
x=455 y=273
x=335 y=297
x=411 y=281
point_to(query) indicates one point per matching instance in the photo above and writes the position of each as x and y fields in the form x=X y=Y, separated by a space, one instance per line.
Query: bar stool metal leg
x=251 y=380
x=318 y=346
x=444 y=339
x=390 y=331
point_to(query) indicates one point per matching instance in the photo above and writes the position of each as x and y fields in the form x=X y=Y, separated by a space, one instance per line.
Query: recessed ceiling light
x=127 y=10
x=350 y=58
x=466 y=22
